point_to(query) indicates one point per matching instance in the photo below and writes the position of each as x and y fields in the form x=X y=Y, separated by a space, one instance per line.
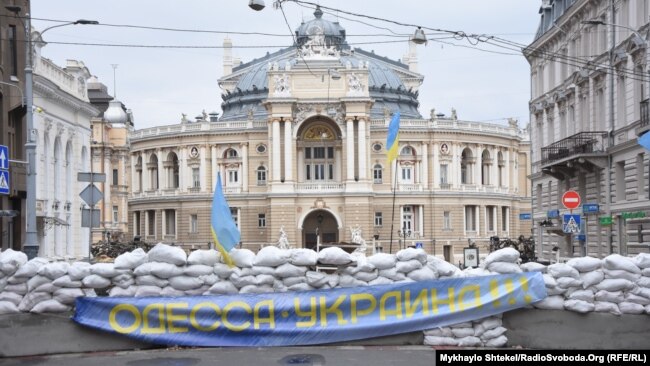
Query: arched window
x=261 y=176
x=377 y=174
x=486 y=161
x=231 y=153
x=138 y=169
x=153 y=171
x=173 y=178
x=407 y=151
x=465 y=166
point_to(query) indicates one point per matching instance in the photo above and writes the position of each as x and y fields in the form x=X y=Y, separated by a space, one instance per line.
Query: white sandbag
x=50 y=306
x=30 y=268
x=210 y=279
x=504 y=267
x=106 y=270
x=617 y=261
x=167 y=254
x=408 y=266
x=3 y=283
x=380 y=281
x=223 y=270
x=571 y=290
x=392 y=274
x=470 y=341
x=474 y=272
x=405 y=280
x=171 y=292
x=316 y=279
x=254 y=271
x=196 y=270
x=11 y=297
x=151 y=280
x=11 y=260
x=443 y=268
x=614 y=284
x=123 y=280
x=147 y=291
x=271 y=256
x=79 y=270
x=566 y=282
x=584 y=295
x=264 y=279
x=382 y=260
x=606 y=307
x=411 y=254
x=647 y=309
x=242 y=281
x=242 y=258
x=551 y=303
x=630 y=297
x=223 y=288
x=290 y=270
x=184 y=283
x=346 y=281
x=19 y=289
x=491 y=323
x=164 y=270
x=510 y=255
x=7 y=307
x=67 y=282
x=579 y=306
x=630 y=308
x=609 y=296
x=497 y=342
x=303 y=257
x=290 y=281
x=367 y=276
x=640 y=291
x=67 y=296
x=124 y=292
x=197 y=291
x=558 y=270
x=533 y=267
x=439 y=332
x=462 y=332
x=95 y=281
x=206 y=257
x=300 y=287
x=47 y=287
x=643 y=281
x=13 y=280
x=585 y=264
x=334 y=256
x=254 y=289
x=89 y=292
x=493 y=333
x=35 y=282
x=592 y=278
x=478 y=329
x=31 y=299
x=130 y=260
x=440 y=341
x=549 y=281
x=422 y=274
x=54 y=270
x=642 y=260
x=619 y=273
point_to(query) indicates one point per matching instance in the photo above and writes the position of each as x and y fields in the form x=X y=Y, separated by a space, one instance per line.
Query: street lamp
x=30 y=246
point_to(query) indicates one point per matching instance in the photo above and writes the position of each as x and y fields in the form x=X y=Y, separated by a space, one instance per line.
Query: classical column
x=456 y=153
x=108 y=206
x=288 y=152
x=478 y=161
x=146 y=175
x=134 y=177
x=494 y=168
x=363 y=156
x=339 y=164
x=276 y=164
x=213 y=163
x=244 y=173
x=507 y=167
x=421 y=220
x=477 y=217
x=350 y=149
x=203 y=170
x=425 y=165
x=301 y=165
x=182 y=169
x=162 y=180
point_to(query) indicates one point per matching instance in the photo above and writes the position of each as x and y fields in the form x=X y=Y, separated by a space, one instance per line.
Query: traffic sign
x=571 y=224
x=91 y=177
x=4 y=157
x=525 y=216
x=4 y=181
x=571 y=200
x=588 y=208
x=91 y=195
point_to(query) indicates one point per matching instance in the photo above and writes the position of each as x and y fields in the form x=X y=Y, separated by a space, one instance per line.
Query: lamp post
x=30 y=247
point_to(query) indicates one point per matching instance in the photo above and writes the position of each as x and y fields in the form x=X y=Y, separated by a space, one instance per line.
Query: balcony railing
x=645 y=117
x=319 y=187
x=578 y=144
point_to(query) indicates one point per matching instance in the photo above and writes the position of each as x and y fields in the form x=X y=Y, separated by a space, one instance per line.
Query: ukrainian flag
x=644 y=140
x=224 y=231
x=392 y=141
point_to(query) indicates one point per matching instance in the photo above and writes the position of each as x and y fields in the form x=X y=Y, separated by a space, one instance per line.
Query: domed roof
x=333 y=33
x=114 y=113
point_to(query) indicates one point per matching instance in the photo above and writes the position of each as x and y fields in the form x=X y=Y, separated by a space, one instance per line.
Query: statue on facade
x=432 y=115
x=358 y=239
x=354 y=85
x=283 y=241
x=454 y=116
x=282 y=85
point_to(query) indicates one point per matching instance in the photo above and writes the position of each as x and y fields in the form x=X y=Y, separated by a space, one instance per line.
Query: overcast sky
x=160 y=84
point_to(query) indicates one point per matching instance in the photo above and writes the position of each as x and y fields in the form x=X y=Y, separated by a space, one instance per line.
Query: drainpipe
x=610 y=131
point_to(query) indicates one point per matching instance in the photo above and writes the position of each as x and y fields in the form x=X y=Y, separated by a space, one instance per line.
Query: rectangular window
x=308 y=153
x=490 y=219
x=233 y=176
x=446 y=220
x=379 y=219
x=261 y=177
x=170 y=222
x=13 y=50
x=640 y=188
x=538 y=196
x=151 y=223
x=196 y=178
x=261 y=220
x=115 y=177
x=194 y=224
x=443 y=174
x=620 y=181
x=319 y=153
x=136 y=223
x=505 y=219
x=308 y=172
x=470 y=218
x=377 y=174
x=115 y=215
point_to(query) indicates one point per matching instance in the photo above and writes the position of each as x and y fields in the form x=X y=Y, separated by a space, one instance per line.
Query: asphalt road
x=295 y=356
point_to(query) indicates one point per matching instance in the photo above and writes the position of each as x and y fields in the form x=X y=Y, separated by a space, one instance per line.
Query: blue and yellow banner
x=310 y=317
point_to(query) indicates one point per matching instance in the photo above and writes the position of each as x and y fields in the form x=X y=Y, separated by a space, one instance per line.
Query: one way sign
x=4 y=157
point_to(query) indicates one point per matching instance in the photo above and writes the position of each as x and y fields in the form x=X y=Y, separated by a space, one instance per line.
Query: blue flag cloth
x=392 y=140
x=224 y=231
x=309 y=317
x=644 y=140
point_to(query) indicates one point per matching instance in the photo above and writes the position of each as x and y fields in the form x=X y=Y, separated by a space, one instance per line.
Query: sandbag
x=47 y=287
x=439 y=332
x=300 y=287
x=640 y=291
x=643 y=281
x=558 y=270
x=609 y=296
x=106 y=270
x=510 y=255
x=497 y=342
x=242 y=258
x=171 y=292
x=617 y=261
x=19 y=289
x=462 y=332
x=30 y=268
x=334 y=256
x=7 y=307
x=494 y=333
x=645 y=272
x=443 y=268
x=549 y=281
x=585 y=264
x=196 y=270
x=346 y=281
x=147 y=291
x=36 y=281
x=303 y=257
x=123 y=280
x=124 y=292
x=592 y=278
x=242 y=281
x=167 y=254
x=411 y=254
x=550 y=303
x=271 y=256
x=612 y=284
x=408 y=266
x=504 y=267
x=367 y=276
x=13 y=280
x=66 y=281
x=630 y=308
x=264 y=279
x=31 y=299
x=619 y=273
x=440 y=341
x=491 y=323
x=79 y=270
x=165 y=270
x=223 y=288
x=566 y=282
x=50 y=306
x=184 y=283
x=254 y=289
x=579 y=306
x=290 y=270
x=382 y=261
x=11 y=260
x=630 y=297
x=381 y=281
x=642 y=260
x=67 y=296
x=533 y=267
x=130 y=260
x=470 y=341
x=54 y=270
x=392 y=274
x=95 y=281
x=290 y=281
x=606 y=307
x=11 y=297
x=223 y=270
x=151 y=280
x=584 y=295
x=422 y=274
x=210 y=279
x=206 y=257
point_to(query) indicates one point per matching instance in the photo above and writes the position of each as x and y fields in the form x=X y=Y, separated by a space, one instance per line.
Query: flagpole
x=392 y=218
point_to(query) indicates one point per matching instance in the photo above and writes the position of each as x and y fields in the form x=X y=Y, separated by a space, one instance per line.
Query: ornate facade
x=301 y=146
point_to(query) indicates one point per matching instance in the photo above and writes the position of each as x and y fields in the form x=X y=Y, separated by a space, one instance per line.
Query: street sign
x=91 y=195
x=4 y=157
x=606 y=220
x=4 y=181
x=571 y=200
x=525 y=216
x=588 y=208
x=553 y=214
x=85 y=218
x=91 y=177
x=571 y=224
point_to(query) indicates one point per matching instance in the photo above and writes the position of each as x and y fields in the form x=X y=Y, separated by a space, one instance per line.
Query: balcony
x=645 y=118
x=582 y=151
x=332 y=187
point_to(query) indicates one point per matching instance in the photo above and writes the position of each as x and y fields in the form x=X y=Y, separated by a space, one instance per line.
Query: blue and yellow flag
x=392 y=141
x=224 y=231
x=644 y=140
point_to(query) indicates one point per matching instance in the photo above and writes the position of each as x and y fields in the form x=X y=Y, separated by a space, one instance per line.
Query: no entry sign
x=571 y=200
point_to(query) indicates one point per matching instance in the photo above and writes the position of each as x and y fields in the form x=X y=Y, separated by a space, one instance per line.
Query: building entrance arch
x=319 y=226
